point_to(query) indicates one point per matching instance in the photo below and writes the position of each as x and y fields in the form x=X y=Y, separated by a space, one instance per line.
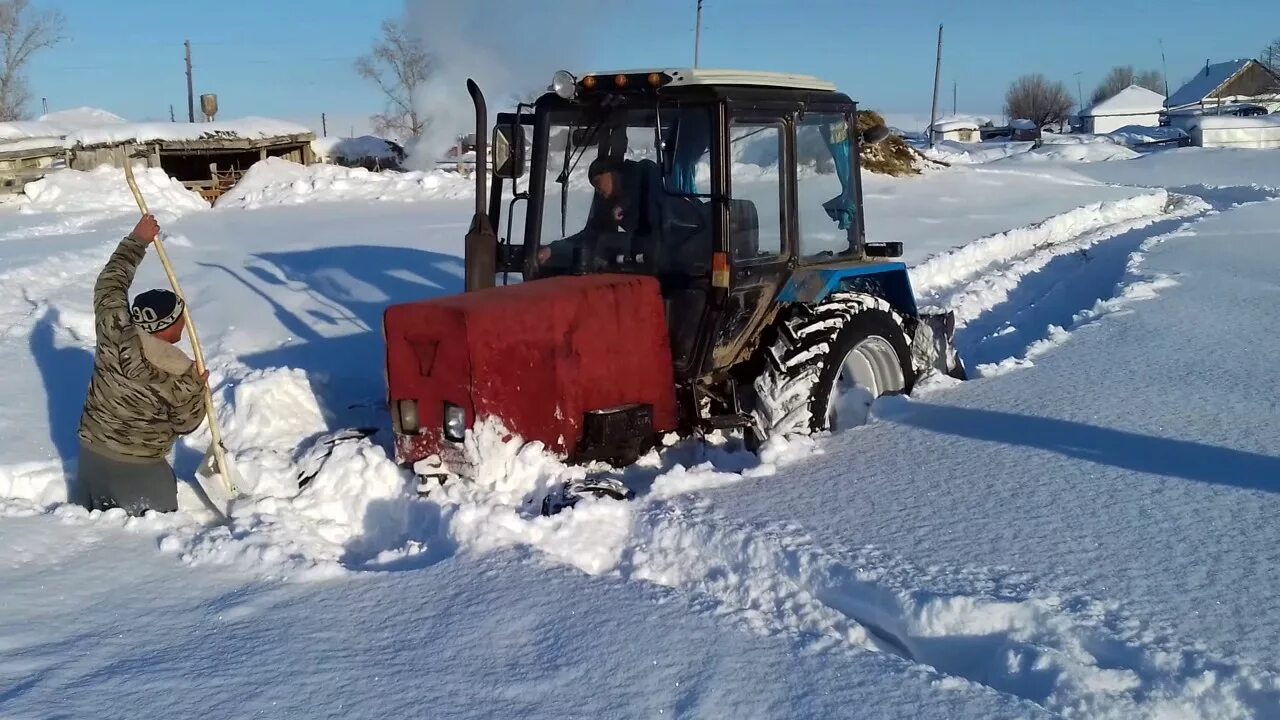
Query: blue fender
x=887 y=280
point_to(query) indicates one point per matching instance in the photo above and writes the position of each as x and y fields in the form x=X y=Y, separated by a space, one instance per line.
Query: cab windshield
x=615 y=202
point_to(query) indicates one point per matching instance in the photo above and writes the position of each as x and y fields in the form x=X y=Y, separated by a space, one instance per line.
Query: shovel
x=215 y=461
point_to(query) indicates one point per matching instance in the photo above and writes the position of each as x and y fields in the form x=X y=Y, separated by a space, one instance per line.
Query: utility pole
x=191 y=94
x=171 y=117
x=954 y=93
x=324 y=126
x=937 y=72
x=44 y=103
x=1079 y=92
x=697 y=35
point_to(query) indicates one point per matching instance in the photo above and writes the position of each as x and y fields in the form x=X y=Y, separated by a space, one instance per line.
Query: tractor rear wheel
x=828 y=363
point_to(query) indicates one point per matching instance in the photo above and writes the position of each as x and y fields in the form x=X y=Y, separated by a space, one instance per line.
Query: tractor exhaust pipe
x=480 y=253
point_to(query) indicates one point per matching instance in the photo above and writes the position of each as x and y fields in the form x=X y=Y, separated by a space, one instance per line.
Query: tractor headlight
x=564 y=84
x=407 y=411
x=455 y=422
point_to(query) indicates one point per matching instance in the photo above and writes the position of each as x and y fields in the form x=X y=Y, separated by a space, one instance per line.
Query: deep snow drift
x=1033 y=542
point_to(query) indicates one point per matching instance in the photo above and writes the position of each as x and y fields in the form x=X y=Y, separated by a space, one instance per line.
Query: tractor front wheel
x=827 y=364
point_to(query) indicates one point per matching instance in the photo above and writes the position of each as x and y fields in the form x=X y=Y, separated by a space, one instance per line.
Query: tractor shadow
x=65 y=371
x=331 y=301
x=1167 y=457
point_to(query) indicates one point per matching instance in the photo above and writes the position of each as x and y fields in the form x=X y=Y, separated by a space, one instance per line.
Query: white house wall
x=1110 y=123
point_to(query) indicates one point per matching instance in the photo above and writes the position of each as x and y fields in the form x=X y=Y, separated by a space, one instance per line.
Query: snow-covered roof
x=1207 y=81
x=702 y=76
x=1238 y=123
x=23 y=129
x=31 y=144
x=1022 y=124
x=1133 y=100
x=81 y=117
x=955 y=125
x=250 y=128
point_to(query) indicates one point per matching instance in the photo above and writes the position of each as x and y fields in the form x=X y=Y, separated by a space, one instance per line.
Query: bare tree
x=400 y=67
x=23 y=33
x=1122 y=77
x=1034 y=98
x=1271 y=55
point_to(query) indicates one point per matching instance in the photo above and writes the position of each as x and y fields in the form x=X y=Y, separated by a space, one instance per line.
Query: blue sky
x=294 y=59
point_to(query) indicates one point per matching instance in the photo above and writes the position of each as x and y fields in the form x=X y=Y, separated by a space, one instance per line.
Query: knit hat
x=602 y=165
x=155 y=310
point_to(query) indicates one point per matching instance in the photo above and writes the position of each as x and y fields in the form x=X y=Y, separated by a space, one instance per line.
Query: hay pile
x=891 y=157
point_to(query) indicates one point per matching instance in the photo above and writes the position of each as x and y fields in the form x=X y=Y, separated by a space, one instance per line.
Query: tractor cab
x=718 y=183
x=662 y=237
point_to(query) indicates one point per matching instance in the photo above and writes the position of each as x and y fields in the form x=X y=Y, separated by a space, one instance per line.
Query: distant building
x=206 y=157
x=1132 y=106
x=958 y=129
x=1237 y=87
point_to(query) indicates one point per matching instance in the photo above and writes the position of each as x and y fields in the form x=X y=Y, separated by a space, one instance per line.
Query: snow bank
x=105 y=189
x=970 y=260
x=1077 y=152
x=1138 y=134
x=245 y=128
x=954 y=153
x=279 y=182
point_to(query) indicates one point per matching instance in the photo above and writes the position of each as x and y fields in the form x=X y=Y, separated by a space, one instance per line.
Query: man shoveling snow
x=145 y=391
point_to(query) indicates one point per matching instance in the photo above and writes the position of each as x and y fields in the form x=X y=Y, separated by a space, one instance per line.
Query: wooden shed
x=209 y=157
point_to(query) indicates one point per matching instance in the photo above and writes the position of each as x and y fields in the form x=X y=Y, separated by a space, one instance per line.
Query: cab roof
x=747 y=78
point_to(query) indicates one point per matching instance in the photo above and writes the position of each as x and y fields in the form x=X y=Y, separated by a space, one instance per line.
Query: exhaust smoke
x=510 y=48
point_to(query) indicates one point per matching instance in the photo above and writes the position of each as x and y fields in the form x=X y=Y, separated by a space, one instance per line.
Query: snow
x=1021 y=124
x=1080 y=531
x=105 y=188
x=1130 y=135
x=245 y=128
x=1077 y=152
x=1133 y=100
x=954 y=125
x=81 y=117
x=1217 y=122
x=36 y=143
x=275 y=181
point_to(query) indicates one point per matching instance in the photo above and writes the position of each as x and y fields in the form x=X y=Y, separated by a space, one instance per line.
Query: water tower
x=209 y=106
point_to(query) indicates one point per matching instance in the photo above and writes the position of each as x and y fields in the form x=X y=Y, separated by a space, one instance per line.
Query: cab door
x=759 y=231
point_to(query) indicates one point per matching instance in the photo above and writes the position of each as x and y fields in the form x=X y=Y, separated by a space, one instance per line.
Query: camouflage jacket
x=145 y=392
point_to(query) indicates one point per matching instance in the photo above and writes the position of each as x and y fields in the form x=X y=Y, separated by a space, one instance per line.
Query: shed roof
x=1133 y=100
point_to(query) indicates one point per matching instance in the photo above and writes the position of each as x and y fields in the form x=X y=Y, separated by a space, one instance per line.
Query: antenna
x=1164 y=68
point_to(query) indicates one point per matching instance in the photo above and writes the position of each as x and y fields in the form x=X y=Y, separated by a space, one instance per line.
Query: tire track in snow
x=1018 y=294
x=1071 y=655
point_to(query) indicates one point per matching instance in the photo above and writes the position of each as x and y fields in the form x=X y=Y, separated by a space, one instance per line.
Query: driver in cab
x=614 y=219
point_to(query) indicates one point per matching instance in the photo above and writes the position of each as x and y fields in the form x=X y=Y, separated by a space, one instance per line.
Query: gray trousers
x=105 y=482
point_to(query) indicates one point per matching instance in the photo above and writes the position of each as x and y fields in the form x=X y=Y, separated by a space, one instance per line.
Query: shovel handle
x=214 y=431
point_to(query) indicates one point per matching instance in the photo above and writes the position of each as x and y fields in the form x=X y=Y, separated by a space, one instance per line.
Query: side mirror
x=875 y=135
x=508 y=151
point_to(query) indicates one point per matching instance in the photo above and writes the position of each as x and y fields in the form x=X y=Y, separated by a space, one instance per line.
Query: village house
x=1237 y=87
x=1132 y=106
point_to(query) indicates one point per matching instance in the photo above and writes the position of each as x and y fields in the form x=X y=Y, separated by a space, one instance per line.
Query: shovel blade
x=937 y=331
